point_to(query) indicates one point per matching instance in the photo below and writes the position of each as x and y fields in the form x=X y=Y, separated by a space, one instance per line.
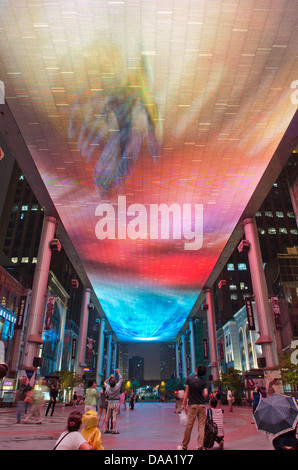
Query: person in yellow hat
x=90 y=431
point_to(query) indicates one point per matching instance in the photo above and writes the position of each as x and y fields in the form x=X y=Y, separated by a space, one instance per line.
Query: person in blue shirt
x=256 y=399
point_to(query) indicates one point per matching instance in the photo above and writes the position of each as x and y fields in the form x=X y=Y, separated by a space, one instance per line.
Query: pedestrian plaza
x=149 y=427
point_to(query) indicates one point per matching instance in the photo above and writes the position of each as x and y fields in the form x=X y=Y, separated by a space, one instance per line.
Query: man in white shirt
x=113 y=390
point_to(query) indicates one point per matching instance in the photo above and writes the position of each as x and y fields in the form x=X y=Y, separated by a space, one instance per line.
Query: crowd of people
x=210 y=420
x=101 y=409
x=104 y=407
x=30 y=403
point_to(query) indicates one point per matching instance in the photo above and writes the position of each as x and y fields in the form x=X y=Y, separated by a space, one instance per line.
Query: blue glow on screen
x=149 y=315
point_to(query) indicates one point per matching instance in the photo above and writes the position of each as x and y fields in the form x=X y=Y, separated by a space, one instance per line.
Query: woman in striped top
x=217 y=416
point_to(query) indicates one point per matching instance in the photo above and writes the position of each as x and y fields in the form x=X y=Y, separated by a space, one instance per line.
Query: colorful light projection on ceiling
x=151 y=123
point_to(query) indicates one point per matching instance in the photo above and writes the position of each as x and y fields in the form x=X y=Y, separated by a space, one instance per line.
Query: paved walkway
x=150 y=426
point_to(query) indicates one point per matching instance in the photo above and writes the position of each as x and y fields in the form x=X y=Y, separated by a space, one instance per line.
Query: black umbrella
x=276 y=414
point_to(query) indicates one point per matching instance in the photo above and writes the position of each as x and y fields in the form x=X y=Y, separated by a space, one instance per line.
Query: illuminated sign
x=151 y=124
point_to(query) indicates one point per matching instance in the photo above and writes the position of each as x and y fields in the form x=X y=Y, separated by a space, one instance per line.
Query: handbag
x=211 y=430
x=183 y=418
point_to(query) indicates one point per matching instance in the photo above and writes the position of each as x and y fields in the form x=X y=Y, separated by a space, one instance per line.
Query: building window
x=268 y=214
x=243 y=286
x=242 y=267
x=271 y=230
x=230 y=267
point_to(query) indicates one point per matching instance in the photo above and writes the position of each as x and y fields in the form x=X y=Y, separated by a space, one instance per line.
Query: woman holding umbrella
x=278 y=415
x=286 y=441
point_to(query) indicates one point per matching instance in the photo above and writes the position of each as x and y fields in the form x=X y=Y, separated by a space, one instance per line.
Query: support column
x=192 y=346
x=177 y=360
x=101 y=339
x=109 y=353
x=264 y=315
x=83 y=332
x=115 y=356
x=33 y=338
x=212 y=336
x=183 y=356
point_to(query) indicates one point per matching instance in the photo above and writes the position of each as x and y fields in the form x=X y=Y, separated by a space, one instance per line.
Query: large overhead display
x=151 y=123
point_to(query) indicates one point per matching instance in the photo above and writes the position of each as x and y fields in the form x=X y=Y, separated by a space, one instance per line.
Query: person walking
x=20 y=404
x=256 y=400
x=35 y=415
x=230 y=399
x=53 y=398
x=132 y=399
x=103 y=405
x=74 y=399
x=122 y=400
x=20 y=398
x=196 y=392
x=92 y=397
x=113 y=390
x=179 y=400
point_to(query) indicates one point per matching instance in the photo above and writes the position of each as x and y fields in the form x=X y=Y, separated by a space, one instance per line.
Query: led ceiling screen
x=151 y=123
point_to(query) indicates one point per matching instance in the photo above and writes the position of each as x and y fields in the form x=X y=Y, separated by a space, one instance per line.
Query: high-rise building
x=123 y=360
x=278 y=231
x=136 y=368
x=167 y=361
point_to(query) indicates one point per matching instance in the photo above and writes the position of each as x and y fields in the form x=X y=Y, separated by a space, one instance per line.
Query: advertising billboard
x=151 y=124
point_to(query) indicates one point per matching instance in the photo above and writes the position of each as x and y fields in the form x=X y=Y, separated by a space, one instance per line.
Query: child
x=91 y=432
x=217 y=417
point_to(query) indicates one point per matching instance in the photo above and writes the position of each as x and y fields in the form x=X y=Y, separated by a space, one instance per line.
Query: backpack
x=210 y=430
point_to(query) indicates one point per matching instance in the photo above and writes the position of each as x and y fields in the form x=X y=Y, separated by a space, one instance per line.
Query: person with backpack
x=196 y=392
x=215 y=417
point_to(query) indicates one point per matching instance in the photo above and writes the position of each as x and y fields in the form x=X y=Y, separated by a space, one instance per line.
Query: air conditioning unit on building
x=55 y=244
x=243 y=246
x=204 y=306
x=74 y=283
x=91 y=306
x=222 y=284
